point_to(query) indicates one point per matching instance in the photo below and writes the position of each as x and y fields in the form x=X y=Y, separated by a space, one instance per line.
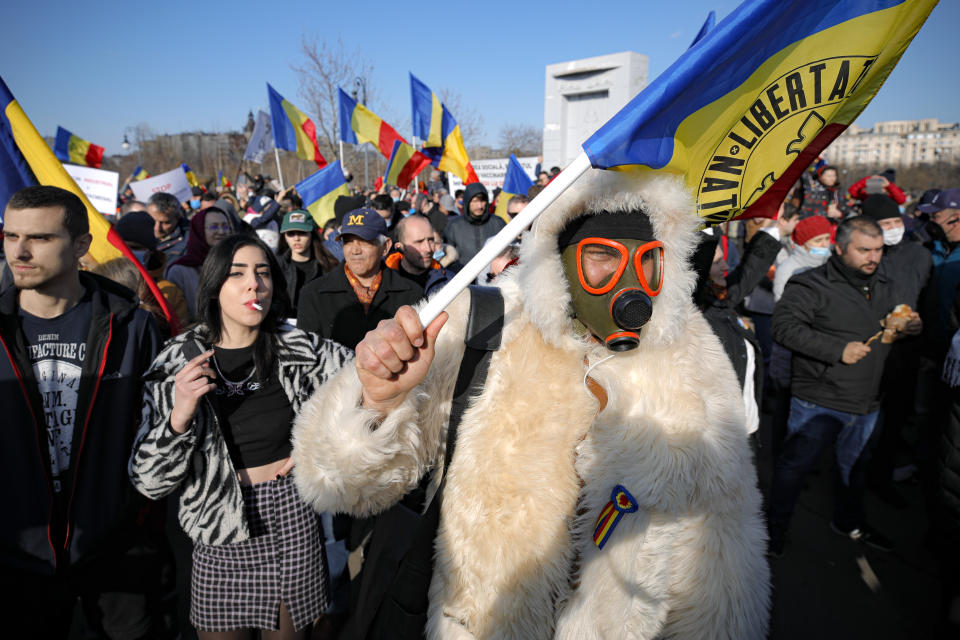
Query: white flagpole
x=508 y=234
x=276 y=156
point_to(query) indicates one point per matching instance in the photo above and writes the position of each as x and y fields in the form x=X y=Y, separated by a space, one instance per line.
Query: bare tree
x=325 y=67
x=521 y=139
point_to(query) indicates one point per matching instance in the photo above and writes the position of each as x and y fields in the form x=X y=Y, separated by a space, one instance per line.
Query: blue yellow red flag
x=320 y=191
x=191 y=176
x=292 y=129
x=140 y=173
x=705 y=29
x=222 y=181
x=745 y=110
x=26 y=160
x=358 y=124
x=515 y=182
x=404 y=165
x=442 y=141
x=75 y=150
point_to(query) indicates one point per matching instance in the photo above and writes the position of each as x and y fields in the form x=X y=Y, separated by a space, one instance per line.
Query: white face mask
x=893 y=236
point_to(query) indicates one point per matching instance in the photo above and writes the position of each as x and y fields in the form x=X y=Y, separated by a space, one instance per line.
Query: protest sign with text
x=492 y=172
x=98 y=185
x=173 y=182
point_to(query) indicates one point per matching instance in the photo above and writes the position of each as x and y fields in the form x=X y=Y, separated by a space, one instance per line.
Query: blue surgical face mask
x=397 y=199
x=195 y=204
x=820 y=252
x=438 y=254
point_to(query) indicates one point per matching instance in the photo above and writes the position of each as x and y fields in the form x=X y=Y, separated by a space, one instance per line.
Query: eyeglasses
x=225 y=227
x=601 y=262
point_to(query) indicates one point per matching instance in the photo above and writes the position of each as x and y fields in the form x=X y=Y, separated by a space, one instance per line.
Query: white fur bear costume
x=513 y=558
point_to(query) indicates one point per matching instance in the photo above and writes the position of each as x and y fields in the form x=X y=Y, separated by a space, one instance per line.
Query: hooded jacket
x=468 y=233
x=101 y=506
x=537 y=457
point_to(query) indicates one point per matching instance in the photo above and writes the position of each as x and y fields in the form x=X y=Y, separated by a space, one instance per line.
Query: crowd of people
x=838 y=319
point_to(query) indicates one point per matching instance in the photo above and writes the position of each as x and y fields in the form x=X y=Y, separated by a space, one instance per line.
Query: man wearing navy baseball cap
x=353 y=298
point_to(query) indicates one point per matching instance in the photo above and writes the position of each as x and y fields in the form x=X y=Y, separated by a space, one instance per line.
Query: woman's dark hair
x=215 y=271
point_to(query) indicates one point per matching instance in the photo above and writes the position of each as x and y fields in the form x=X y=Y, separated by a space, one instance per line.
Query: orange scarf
x=364 y=294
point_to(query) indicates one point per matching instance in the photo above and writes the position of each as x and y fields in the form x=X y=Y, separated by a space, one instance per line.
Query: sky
x=100 y=69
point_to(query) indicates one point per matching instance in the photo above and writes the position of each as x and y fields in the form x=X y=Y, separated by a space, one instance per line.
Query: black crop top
x=254 y=413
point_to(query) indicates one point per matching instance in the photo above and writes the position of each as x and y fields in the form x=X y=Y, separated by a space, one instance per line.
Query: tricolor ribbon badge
x=621 y=503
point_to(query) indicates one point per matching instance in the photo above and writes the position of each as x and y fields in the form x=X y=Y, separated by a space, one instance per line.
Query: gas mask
x=615 y=270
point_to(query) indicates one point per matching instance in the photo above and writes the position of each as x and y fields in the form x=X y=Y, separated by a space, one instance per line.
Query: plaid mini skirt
x=241 y=585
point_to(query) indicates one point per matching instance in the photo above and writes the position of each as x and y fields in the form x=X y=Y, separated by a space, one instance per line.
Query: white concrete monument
x=581 y=95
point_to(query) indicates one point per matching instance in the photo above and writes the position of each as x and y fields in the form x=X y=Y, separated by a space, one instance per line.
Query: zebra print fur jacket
x=211 y=503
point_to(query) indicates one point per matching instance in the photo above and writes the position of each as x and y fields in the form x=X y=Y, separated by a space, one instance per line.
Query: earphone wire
x=592 y=367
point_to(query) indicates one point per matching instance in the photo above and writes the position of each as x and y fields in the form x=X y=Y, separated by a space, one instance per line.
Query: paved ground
x=826 y=586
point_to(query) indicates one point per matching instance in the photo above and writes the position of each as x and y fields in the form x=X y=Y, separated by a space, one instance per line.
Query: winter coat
x=175 y=244
x=211 y=503
x=722 y=314
x=818 y=196
x=186 y=279
x=329 y=306
x=859 y=191
x=468 y=233
x=797 y=262
x=948 y=471
x=314 y=272
x=101 y=506
x=538 y=456
x=432 y=280
x=907 y=264
x=819 y=313
x=938 y=294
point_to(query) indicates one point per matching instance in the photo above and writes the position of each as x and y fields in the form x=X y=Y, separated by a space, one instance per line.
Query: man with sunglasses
x=602 y=466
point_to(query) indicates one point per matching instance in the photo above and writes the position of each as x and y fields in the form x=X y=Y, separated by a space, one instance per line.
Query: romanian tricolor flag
x=140 y=173
x=358 y=124
x=443 y=142
x=743 y=112
x=321 y=190
x=26 y=160
x=70 y=148
x=191 y=176
x=292 y=129
x=404 y=165
x=515 y=182
x=222 y=180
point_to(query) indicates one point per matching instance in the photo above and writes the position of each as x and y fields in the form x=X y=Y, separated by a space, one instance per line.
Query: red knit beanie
x=811 y=228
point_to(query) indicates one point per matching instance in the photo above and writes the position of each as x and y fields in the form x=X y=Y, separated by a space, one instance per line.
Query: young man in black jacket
x=825 y=317
x=74 y=347
x=469 y=232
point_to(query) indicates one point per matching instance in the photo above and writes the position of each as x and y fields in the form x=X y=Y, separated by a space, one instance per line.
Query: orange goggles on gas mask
x=602 y=262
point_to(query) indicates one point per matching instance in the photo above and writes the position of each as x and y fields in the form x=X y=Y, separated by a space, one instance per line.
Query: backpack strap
x=484 y=333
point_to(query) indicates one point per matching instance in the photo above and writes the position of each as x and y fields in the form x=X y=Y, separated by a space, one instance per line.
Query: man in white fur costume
x=530 y=544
